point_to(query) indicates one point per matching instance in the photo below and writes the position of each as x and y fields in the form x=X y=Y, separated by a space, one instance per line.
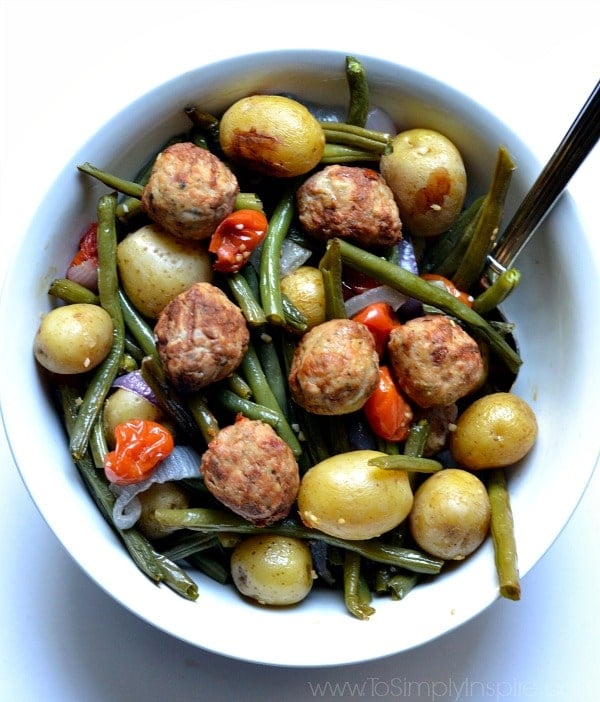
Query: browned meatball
x=201 y=337
x=335 y=368
x=435 y=361
x=251 y=470
x=189 y=191
x=350 y=203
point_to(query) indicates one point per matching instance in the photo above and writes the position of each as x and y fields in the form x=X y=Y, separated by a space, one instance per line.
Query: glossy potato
x=154 y=267
x=123 y=405
x=305 y=288
x=495 y=431
x=451 y=514
x=427 y=175
x=73 y=339
x=272 y=134
x=272 y=569
x=344 y=496
x=167 y=495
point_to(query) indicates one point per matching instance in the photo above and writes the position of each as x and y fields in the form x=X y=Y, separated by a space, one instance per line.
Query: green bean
x=364 y=140
x=248 y=201
x=410 y=464
x=444 y=256
x=358 y=85
x=188 y=543
x=294 y=318
x=414 y=286
x=338 y=153
x=397 y=583
x=263 y=394
x=416 y=440
x=127 y=187
x=72 y=292
x=356 y=595
x=503 y=535
x=129 y=209
x=98 y=446
x=210 y=566
x=156 y=567
x=243 y=295
x=268 y=357
x=106 y=372
x=487 y=223
x=138 y=327
x=498 y=291
x=211 y=520
x=205 y=419
x=238 y=405
x=330 y=266
x=270 y=276
x=239 y=386
x=169 y=400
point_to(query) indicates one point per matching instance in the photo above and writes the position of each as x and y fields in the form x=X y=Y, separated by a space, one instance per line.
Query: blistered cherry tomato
x=379 y=318
x=235 y=239
x=389 y=415
x=141 y=445
x=449 y=286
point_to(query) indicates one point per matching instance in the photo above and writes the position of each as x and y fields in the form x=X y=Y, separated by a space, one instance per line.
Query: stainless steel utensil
x=576 y=145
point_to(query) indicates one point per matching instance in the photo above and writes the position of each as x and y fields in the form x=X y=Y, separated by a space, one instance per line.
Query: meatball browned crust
x=351 y=203
x=335 y=368
x=251 y=470
x=189 y=191
x=201 y=337
x=435 y=361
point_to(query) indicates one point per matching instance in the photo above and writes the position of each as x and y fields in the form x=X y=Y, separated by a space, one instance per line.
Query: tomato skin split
x=389 y=415
x=141 y=445
x=236 y=237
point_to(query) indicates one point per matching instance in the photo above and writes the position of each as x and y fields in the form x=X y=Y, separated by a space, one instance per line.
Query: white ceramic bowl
x=553 y=307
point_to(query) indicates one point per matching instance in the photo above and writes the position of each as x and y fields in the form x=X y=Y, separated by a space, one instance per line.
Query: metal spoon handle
x=577 y=143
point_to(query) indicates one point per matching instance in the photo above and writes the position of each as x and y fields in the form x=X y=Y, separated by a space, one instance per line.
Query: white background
x=66 y=68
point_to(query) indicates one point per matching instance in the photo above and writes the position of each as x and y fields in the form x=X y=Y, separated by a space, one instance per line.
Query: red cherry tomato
x=235 y=239
x=389 y=415
x=141 y=445
x=449 y=286
x=379 y=318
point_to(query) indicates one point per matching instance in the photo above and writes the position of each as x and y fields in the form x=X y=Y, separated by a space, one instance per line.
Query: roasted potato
x=495 y=431
x=154 y=267
x=73 y=338
x=428 y=178
x=272 y=134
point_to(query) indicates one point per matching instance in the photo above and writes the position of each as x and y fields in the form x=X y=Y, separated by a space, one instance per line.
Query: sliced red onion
x=292 y=257
x=183 y=462
x=380 y=121
x=85 y=273
x=382 y=293
x=135 y=382
x=406 y=255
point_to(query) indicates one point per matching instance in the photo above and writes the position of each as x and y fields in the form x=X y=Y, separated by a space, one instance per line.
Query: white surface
x=533 y=64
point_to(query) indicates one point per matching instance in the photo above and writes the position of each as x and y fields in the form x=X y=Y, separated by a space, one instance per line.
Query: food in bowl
x=214 y=394
x=541 y=307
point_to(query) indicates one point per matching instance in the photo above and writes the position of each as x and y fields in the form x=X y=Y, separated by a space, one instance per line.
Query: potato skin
x=272 y=569
x=345 y=497
x=451 y=514
x=495 y=431
x=167 y=495
x=428 y=178
x=304 y=287
x=272 y=134
x=73 y=339
x=123 y=405
x=154 y=267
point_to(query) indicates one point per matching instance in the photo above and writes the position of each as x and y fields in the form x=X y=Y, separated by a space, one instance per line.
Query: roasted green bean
x=503 y=535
